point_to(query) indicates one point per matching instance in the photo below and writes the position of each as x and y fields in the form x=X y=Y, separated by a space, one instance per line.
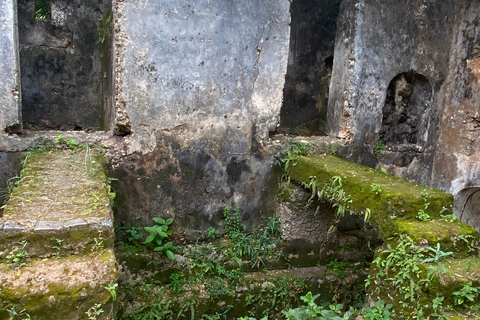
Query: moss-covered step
x=384 y=195
x=65 y=288
x=61 y=206
x=453 y=236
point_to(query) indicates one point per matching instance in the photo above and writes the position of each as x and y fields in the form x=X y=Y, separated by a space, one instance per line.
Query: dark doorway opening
x=65 y=64
x=312 y=40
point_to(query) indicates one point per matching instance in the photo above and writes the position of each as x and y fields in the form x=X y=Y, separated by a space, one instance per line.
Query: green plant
x=311 y=311
x=466 y=294
x=103 y=31
x=112 y=288
x=380 y=311
x=158 y=233
x=20 y=315
x=18 y=256
x=98 y=245
x=334 y=149
x=94 y=311
x=437 y=305
x=59 y=246
x=273 y=228
x=177 y=282
x=11 y=183
x=470 y=240
x=422 y=214
x=377 y=188
x=213 y=233
x=439 y=255
x=42 y=9
x=379 y=148
x=71 y=143
x=338 y=267
x=334 y=193
x=133 y=233
x=232 y=221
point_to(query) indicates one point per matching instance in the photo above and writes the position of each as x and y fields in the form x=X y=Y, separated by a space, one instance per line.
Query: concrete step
x=60 y=207
x=56 y=238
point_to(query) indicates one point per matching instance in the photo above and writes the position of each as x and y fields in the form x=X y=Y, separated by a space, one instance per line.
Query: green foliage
x=471 y=241
x=94 y=311
x=112 y=288
x=213 y=233
x=132 y=233
x=438 y=256
x=334 y=149
x=422 y=215
x=377 y=188
x=157 y=234
x=18 y=315
x=12 y=183
x=334 y=193
x=59 y=246
x=285 y=158
x=232 y=221
x=177 y=282
x=379 y=148
x=467 y=294
x=103 y=30
x=338 y=267
x=18 y=256
x=42 y=9
x=311 y=311
x=380 y=311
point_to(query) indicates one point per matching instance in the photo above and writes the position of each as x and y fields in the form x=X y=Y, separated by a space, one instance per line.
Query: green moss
x=398 y=197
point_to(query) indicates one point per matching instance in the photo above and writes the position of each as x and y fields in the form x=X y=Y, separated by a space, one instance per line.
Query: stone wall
x=61 y=67
x=377 y=44
x=198 y=88
x=10 y=116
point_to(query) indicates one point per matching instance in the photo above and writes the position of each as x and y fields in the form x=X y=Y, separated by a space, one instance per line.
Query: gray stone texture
x=10 y=115
x=376 y=42
x=312 y=40
x=200 y=86
x=63 y=80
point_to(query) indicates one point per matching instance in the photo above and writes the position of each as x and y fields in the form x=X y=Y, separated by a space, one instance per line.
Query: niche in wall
x=407 y=110
x=65 y=64
x=467 y=206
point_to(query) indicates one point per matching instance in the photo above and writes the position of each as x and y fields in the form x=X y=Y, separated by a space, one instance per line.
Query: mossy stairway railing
x=427 y=254
x=56 y=239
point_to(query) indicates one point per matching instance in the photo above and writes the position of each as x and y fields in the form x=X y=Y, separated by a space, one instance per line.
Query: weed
x=157 y=234
x=439 y=255
x=213 y=233
x=338 y=267
x=112 y=288
x=94 y=311
x=72 y=143
x=377 y=188
x=380 y=311
x=18 y=256
x=232 y=221
x=466 y=294
x=133 y=233
x=98 y=245
x=311 y=311
x=379 y=148
x=334 y=149
x=59 y=246
x=177 y=282
x=42 y=10
x=471 y=241
x=20 y=315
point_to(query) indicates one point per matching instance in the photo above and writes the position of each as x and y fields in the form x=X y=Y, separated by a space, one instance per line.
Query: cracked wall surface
x=199 y=87
x=10 y=114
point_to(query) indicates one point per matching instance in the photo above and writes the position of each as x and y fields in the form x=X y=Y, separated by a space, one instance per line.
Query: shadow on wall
x=467 y=206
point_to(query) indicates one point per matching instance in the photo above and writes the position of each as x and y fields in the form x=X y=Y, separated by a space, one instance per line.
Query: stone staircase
x=56 y=239
x=427 y=253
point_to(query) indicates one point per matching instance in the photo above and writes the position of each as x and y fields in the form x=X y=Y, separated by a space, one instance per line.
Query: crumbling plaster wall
x=457 y=161
x=10 y=112
x=376 y=41
x=198 y=88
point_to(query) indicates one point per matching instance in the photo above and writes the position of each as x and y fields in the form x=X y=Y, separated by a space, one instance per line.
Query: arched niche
x=467 y=206
x=407 y=110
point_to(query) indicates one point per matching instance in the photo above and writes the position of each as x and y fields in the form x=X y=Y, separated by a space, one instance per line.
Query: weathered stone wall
x=376 y=42
x=198 y=88
x=62 y=74
x=10 y=115
x=312 y=40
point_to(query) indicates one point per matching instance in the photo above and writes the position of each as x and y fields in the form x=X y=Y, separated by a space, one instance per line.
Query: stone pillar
x=10 y=112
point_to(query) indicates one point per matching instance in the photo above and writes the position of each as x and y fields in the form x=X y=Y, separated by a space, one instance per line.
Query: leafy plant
x=380 y=311
x=311 y=311
x=94 y=311
x=158 y=233
x=379 y=148
x=177 y=281
x=232 y=221
x=213 y=233
x=112 y=288
x=20 y=315
x=439 y=255
x=18 y=256
x=133 y=233
x=339 y=267
x=377 y=188
x=59 y=246
x=42 y=9
x=466 y=294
